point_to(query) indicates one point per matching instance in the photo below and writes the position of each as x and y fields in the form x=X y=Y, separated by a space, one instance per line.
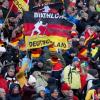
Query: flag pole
x=8 y=13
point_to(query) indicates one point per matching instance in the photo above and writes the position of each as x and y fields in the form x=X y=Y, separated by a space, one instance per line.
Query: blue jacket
x=72 y=19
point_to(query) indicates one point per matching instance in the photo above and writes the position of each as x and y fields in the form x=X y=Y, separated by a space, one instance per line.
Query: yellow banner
x=37 y=42
x=59 y=42
x=41 y=41
x=21 y=5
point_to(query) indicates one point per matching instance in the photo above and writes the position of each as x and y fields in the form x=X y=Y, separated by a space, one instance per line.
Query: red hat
x=74 y=33
x=65 y=86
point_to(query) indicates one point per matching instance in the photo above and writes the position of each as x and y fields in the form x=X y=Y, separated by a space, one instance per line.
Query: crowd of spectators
x=72 y=74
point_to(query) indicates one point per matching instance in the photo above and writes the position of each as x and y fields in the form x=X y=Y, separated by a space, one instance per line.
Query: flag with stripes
x=19 y=5
x=48 y=24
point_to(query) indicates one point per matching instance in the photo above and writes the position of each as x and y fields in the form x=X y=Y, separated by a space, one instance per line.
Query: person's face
x=54 y=94
x=70 y=94
x=65 y=92
x=42 y=93
x=16 y=90
x=81 y=43
x=40 y=64
x=1 y=13
x=33 y=84
x=11 y=72
x=6 y=4
x=80 y=4
x=76 y=63
x=47 y=76
x=3 y=94
x=69 y=10
x=38 y=3
x=47 y=1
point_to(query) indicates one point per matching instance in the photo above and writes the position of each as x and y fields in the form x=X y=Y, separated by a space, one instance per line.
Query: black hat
x=51 y=81
x=54 y=89
x=93 y=72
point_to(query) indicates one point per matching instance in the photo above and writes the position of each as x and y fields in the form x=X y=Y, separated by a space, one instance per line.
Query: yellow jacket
x=90 y=94
x=73 y=79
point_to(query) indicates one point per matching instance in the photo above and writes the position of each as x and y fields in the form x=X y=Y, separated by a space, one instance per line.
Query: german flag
x=35 y=53
x=22 y=47
x=1 y=42
x=15 y=8
x=14 y=41
x=88 y=35
x=82 y=55
x=83 y=52
x=19 y=36
x=50 y=24
x=46 y=24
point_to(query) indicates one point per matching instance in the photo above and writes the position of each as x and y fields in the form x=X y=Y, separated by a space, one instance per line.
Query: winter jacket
x=89 y=94
x=71 y=76
x=72 y=19
x=67 y=55
x=40 y=80
x=3 y=83
x=58 y=98
x=28 y=92
x=97 y=7
x=40 y=98
x=10 y=79
x=13 y=97
x=90 y=79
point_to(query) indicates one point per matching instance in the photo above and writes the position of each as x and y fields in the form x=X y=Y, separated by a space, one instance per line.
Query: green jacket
x=97 y=7
x=71 y=76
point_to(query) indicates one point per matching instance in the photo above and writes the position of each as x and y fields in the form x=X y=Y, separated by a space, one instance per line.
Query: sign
x=34 y=42
x=41 y=41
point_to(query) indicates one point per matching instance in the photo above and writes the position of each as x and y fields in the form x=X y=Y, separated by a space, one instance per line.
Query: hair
x=11 y=67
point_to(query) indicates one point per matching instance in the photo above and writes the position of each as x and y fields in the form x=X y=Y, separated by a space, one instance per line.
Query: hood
x=89 y=77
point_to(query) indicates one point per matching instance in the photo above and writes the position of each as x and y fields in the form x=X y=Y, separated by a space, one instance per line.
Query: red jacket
x=57 y=67
x=3 y=84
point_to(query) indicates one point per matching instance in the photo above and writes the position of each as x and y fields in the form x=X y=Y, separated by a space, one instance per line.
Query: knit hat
x=40 y=88
x=84 y=64
x=96 y=82
x=54 y=89
x=31 y=79
x=75 y=59
x=13 y=85
x=51 y=81
x=93 y=72
x=2 y=90
x=74 y=33
x=2 y=49
x=65 y=86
